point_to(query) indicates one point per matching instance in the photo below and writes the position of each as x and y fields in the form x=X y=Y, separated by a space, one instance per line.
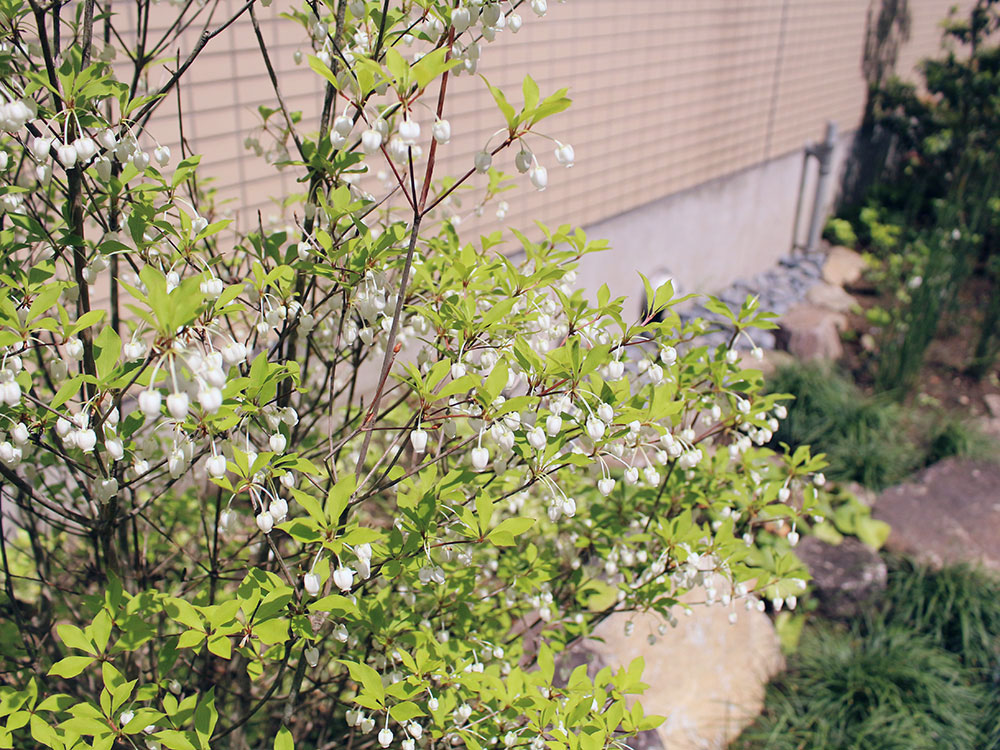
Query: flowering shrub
x=353 y=480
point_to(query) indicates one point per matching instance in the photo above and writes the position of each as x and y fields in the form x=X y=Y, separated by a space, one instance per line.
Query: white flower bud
x=523 y=160
x=115 y=449
x=409 y=131
x=177 y=405
x=565 y=155
x=40 y=147
x=149 y=403
x=86 y=440
x=234 y=353
x=19 y=433
x=74 y=348
x=540 y=178
x=216 y=466
x=9 y=454
x=418 y=439
x=278 y=509
x=480 y=458
x=553 y=425
x=371 y=141
x=85 y=149
x=461 y=19
x=536 y=438
x=103 y=167
x=441 y=131
x=10 y=393
x=265 y=522
x=107 y=139
x=343 y=125
x=209 y=398
x=277 y=442
x=483 y=162
x=343 y=578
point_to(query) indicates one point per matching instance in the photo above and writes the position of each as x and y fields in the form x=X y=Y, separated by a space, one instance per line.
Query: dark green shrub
x=884 y=687
x=840 y=232
x=950 y=436
x=957 y=607
x=864 y=437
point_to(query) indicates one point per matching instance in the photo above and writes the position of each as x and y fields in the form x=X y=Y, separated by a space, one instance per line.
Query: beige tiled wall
x=667 y=94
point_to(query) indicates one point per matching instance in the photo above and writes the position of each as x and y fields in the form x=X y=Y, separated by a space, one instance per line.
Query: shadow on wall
x=887 y=29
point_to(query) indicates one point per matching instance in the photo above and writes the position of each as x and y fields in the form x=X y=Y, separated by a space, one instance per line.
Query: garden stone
x=846 y=576
x=706 y=676
x=843 y=266
x=811 y=269
x=948 y=513
x=992 y=401
x=831 y=297
x=811 y=332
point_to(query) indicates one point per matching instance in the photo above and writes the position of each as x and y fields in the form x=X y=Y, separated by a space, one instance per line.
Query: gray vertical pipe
x=824 y=154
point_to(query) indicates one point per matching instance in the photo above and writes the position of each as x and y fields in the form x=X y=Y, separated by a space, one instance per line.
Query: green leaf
x=109 y=346
x=871 y=531
x=73 y=637
x=505 y=532
x=71 y=666
x=335 y=604
x=495 y=382
x=368 y=678
x=175 y=740
x=320 y=67
x=431 y=65
x=398 y=67
x=221 y=646
x=510 y=115
x=66 y=391
x=100 y=629
x=283 y=740
x=531 y=93
x=405 y=711
x=89 y=318
x=190 y=639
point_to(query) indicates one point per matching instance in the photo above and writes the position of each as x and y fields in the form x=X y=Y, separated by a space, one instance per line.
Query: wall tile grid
x=668 y=94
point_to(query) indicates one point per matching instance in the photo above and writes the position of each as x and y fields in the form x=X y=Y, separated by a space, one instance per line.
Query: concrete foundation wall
x=712 y=234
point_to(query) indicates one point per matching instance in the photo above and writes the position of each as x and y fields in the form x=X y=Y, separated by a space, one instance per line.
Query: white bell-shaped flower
x=418 y=439
x=343 y=578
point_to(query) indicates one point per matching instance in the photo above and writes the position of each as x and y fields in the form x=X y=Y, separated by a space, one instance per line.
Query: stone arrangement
x=807 y=291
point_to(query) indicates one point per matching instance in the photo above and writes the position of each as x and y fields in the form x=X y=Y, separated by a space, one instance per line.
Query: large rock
x=830 y=297
x=846 y=576
x=843 y=266
x=948 y=513
x=811 y=332
x=706 y=676
x=992 y=401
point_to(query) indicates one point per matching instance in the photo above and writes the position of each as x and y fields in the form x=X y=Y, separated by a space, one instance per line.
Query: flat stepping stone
x=948 y=513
